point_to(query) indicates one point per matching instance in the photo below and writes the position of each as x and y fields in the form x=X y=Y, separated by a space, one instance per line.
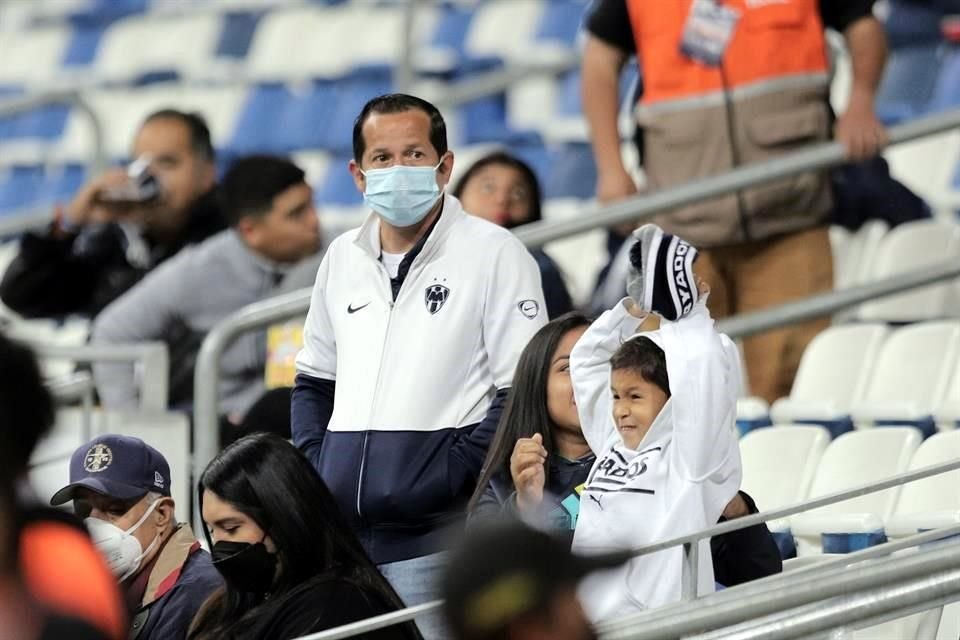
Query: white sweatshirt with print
x=681 y=476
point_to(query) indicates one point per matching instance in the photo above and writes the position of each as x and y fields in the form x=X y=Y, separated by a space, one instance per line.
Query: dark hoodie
x=58 y=274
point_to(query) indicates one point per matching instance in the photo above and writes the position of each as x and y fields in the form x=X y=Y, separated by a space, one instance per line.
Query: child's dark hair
x=643 y=356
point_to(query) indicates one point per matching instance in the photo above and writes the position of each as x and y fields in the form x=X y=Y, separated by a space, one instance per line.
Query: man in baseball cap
x=121 y=487
x=507 y=581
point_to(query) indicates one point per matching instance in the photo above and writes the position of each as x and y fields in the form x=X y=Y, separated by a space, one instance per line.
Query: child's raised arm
x=590 y=371
x=704 y=371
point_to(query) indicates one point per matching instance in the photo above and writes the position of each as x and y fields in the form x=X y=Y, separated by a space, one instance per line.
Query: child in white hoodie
x=658 y=408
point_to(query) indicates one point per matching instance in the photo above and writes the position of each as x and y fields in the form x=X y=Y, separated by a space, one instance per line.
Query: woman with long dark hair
x=539 y=459
x=291 y=564
x=503 y=189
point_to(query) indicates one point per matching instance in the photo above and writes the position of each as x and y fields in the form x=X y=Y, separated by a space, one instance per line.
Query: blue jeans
x=416 y=581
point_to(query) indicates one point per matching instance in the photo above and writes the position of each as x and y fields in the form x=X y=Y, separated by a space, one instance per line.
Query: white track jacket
x=679 y=479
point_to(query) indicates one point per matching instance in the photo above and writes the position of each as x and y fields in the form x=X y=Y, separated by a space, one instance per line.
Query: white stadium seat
x=853 y=459
x=911 y=375
x=932 y=502
x=908 y=247
x=833 y=373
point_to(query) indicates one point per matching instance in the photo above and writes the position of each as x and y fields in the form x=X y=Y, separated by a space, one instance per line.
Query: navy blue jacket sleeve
x=311 y=406
x=470 y=450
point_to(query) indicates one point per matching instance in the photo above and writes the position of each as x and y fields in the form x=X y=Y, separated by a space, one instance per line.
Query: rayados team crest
x=435 y=296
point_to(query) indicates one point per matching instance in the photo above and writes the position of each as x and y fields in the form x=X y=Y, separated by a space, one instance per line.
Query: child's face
x=636 y=403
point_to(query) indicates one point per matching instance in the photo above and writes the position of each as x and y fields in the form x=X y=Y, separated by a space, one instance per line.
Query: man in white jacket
x=658 y=407
x=415 y=327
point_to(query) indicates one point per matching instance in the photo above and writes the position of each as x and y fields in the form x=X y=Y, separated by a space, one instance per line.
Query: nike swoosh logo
x=352 y=309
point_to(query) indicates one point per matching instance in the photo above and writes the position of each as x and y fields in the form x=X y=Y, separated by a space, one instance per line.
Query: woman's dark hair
x=526 y=411
x=507 y=160
x=27 y=410
x=266 y=478
x=643 y=356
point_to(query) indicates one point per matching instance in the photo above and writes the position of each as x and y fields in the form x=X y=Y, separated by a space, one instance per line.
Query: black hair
x=398 y=103
x=507 y=160
x=252 y=182
x=200 y=140
x=643 y=356
x=268 y=479
x=27 y=411
x=526 y=410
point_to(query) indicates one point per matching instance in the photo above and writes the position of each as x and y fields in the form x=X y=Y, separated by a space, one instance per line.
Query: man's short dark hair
x=252 y=182
x=200 y=140
x=398 y=103
x=26 y=408
x=646 y=359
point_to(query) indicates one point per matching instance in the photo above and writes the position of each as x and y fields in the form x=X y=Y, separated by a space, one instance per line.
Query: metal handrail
x=265 y=312
x=17 y=223
x=690 y=541
x=648 y=204
x=731 y=606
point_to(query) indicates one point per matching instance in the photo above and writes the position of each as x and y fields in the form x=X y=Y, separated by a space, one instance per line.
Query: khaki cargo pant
x=766 y=273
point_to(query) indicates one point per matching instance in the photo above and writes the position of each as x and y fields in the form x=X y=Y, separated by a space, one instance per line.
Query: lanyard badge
x=708 y=31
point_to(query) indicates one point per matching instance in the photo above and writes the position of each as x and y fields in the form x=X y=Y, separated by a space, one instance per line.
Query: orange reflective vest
x=769 y=98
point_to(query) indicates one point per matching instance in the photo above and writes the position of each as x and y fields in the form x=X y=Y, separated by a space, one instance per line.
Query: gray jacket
x=178 y=303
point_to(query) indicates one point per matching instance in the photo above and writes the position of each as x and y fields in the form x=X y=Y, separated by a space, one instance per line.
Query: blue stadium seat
x=337 y=187
x=336 y=132
x=60 y=185
x=444 y=50
x=572 y=172
x=908 y=83
x=560 y=22
x=946 y=93
x=237 y=34
x=258 y=121
x=305 y=117
x=912 y=23
x=82 y=48
x=20 y=187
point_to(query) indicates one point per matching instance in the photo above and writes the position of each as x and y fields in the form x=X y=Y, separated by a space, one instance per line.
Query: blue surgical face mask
x=401 y=195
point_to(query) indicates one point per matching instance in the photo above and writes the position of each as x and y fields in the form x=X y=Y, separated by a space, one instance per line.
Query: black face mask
x=245 y=566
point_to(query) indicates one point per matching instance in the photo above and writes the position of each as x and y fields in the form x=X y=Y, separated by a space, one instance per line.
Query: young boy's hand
x=528 y=472
x=661 y=278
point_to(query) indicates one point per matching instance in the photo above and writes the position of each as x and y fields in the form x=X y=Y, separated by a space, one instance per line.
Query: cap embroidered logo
x=98 y=458
x=157 y=479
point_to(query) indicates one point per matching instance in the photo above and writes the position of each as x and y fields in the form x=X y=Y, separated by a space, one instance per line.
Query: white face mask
x=121 y=549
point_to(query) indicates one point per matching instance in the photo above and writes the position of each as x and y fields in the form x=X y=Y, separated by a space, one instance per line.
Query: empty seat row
x=869 y=374
x=788 y=464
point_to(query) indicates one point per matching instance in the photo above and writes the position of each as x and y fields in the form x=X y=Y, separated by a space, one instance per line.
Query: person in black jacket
x=504 y=190
x=113 y=233
x=539 y=459
x=291 y=563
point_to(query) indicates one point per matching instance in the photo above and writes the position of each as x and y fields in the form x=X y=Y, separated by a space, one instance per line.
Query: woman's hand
x=528 y=471
x=736 y=508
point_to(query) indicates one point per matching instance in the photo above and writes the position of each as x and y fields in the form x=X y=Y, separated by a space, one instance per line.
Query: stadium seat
x=947 y=412
x=443 y=51
x=932 y=502
x=946 y=91
x=145 y=47
x=908 y=82
x=832 y=377
x=908 y=247
x=927 y=167
x=503 y=31
x=853 y=459
x=779 y=465
x=31 y=58
x=337 y=187
x=20 y=187
x=910 y=376
x=852 y=257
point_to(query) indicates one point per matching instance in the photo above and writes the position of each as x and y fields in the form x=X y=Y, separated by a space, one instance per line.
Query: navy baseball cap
x=118 y=467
